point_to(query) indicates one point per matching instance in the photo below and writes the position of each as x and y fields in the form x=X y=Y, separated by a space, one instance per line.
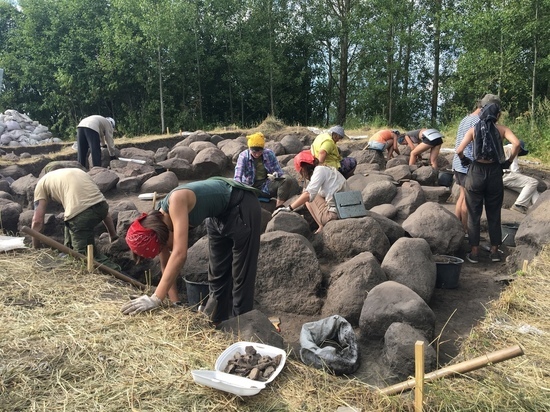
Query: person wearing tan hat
x=324 y=148
x=258 y=167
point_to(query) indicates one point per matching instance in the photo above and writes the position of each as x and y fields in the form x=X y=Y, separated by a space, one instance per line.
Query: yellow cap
x=256 y=140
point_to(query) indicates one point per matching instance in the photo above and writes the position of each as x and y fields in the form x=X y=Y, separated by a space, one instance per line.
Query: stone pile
x=18 y=129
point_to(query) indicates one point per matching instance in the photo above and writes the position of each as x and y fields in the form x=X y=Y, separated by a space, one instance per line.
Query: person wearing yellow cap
x=324 y=148
x=258 y=167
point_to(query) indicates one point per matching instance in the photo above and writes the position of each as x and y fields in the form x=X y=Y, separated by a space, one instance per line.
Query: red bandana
x=142 y=241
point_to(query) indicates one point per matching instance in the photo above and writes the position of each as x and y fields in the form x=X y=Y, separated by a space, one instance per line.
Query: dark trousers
x=79 y=232
x=88 y=139
x=234 y=243
x=484 y=185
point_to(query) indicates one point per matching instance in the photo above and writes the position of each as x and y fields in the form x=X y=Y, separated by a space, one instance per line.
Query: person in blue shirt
x=258 y=167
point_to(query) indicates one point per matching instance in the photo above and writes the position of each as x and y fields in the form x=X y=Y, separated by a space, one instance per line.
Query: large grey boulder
x=378 y=193
x=357 y=182
x=104 y=179
x=209 y=162
x=232 y=149
x=162 y=183
x=533 y=232
x=391 y=229
x=276 y=147
x=9 y=216
x=197 y=258
x=408 y=198
x=182 y=152
x=397 y=161
x=399 y=172
x=180 y=167
x=136 y=153
x=410 y=262
x=392 y=302
x=350 y=282
x=425 y=175
x=292 y=144
x=200 y=146
x=289 y=277
x=399 y=350
x=438 y=226
x=23 y=189
x=253 y=326
x=345 y=238
x=289 y=222
x=369 y=156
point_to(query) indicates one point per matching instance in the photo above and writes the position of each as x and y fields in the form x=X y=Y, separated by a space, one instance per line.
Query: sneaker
x=472 y=258
x=495 y=257
x=519 y=209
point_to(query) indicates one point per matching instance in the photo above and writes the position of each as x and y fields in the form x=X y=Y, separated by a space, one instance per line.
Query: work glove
x=142 y=304
x=465 y=161
x=281 y=209
x=506 y=165
x=273 y=176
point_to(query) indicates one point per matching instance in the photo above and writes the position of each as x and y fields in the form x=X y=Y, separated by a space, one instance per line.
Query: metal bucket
x=448 y=271
x=197 y=290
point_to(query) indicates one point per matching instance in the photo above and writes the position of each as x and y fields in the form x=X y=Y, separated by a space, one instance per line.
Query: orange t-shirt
x=381 y=136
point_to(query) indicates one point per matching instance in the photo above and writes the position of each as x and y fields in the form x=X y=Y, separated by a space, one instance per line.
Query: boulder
x=392 y=302
x=276 y=147
x=438 y=226
x=138 y=154
x=162 y=183
x=369 y=156
x=350 y=282
x=426 y=176
x=410 y=262
x=292 y=144
x=104 y=179
x=399 y=350
x=408 y=198
x=209 y=162
x=378 y=193
x=232 y=149
x=400 y=172
x=180 y=167
x=391 y=229
x=9 y=216
x=182 y=152
x=289 y=222
x=388 y=210
x=253 y=326
x=289 y=277
x=23 y=189
x=345 y=238
x=200 y=146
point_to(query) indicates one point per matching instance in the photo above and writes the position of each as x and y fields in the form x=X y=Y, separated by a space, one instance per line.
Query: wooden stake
x=525 y=264
x=419 y=375
x=462 y=367
x=154 y=199
x=90 y=256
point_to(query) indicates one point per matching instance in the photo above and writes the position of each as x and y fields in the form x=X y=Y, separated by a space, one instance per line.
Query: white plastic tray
x=234 y=384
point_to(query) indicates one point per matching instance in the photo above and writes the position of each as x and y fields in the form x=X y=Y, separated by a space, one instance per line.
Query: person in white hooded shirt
x=514 y=180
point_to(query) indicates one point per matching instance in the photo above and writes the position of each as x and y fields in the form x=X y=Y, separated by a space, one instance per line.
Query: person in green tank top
x=233 y=219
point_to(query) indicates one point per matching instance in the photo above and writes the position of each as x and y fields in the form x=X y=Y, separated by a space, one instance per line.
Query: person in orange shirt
x=384 y=139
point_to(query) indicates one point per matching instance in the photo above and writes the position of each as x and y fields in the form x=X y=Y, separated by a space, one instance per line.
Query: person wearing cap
x=93 y=133
x=384 y=139
x=318 y=196
x=430 y=139
x=514 y=180
x=484 y=186
x=84 y=208
x=325 y=149
x=232 y=215
x=258 y=167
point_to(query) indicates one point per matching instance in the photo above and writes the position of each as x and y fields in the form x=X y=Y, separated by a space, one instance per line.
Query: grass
x=64 y=345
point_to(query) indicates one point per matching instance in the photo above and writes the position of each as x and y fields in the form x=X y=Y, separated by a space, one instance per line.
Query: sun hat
x=112 y=121
x=256 y=140
x=339 y=130
x=304 y=156
x=489 y=99
x=142 y=241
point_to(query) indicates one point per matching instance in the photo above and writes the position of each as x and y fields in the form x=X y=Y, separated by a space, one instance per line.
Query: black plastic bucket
x=197 y=290
x=509 y=231
x=448 y=271
x=445 y=178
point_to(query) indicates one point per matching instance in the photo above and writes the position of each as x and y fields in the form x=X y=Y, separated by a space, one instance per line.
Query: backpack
x=487 y=139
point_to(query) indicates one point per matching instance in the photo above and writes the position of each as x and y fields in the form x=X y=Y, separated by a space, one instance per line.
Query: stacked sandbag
x=18 y=129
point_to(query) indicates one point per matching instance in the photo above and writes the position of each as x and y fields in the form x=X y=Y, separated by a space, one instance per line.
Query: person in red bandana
x=233 y=219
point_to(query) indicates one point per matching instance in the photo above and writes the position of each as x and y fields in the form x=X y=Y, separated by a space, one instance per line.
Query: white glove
x=273 y=176
x=142 y=304
x=281 y=209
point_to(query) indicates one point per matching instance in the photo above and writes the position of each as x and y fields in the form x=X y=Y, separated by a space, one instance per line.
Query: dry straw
x=64 y=345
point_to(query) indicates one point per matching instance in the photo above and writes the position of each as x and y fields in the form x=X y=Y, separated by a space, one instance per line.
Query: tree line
x=155 y=65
